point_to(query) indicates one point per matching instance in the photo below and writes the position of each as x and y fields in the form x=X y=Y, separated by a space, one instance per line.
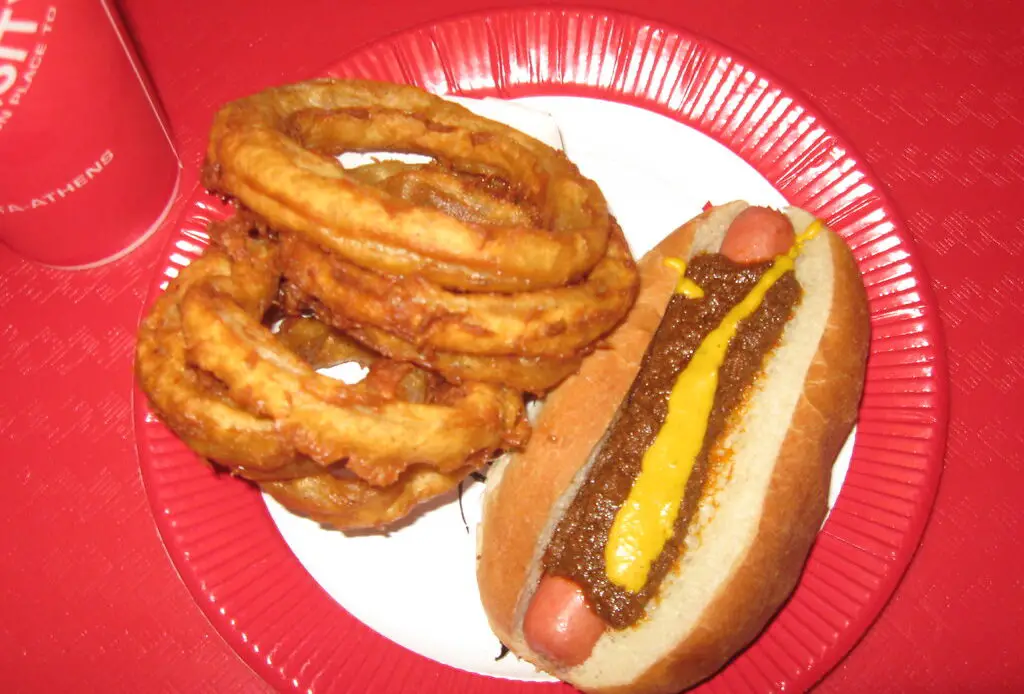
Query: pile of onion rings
x=459 y=285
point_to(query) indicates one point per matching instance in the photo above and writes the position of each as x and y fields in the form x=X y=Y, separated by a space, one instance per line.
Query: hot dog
x=672 y=489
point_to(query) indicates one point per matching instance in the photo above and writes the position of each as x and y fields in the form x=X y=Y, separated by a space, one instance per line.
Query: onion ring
x=343 y=500
x=535 y=375
x=270 y=151
x=330 y=421
x=205 y=420
x=293 y=421
x=352 y=503
x=544 y=323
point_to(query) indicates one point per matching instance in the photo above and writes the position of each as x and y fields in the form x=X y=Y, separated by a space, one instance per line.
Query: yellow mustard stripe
x=646 y=520
x=685 y=286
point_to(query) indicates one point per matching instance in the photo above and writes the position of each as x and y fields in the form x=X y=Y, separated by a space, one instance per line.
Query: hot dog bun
x=743 y=559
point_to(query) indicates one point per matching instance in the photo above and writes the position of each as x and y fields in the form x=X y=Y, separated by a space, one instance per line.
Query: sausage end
x=560 y=625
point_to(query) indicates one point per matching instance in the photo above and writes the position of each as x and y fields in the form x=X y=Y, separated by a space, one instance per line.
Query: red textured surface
x=929 y=92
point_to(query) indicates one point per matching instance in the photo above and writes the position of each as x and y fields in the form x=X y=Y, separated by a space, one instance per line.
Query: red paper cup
x=87 y=169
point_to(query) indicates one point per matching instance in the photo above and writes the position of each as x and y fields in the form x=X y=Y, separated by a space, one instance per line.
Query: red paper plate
x=260 y=598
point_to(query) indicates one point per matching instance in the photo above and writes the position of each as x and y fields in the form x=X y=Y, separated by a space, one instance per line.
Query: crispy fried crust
x=555 y=323
x=352 y=503
x=745 y=565
x=273 y=152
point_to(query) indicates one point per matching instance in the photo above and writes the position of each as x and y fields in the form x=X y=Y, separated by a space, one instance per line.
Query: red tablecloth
x=930 y=92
